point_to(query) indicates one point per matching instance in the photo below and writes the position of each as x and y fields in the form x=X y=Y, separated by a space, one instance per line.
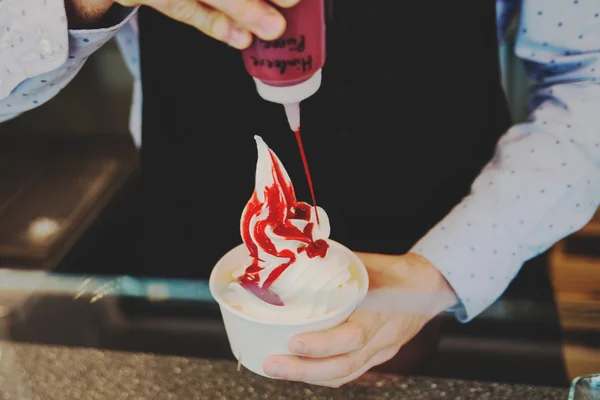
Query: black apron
x=410 y=110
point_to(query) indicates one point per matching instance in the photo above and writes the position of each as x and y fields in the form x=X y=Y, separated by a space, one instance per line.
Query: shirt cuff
x=84 y=42
x=475 y=254
x=38 y=41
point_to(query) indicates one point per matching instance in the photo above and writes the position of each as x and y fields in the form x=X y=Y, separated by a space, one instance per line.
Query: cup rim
x=362 y=293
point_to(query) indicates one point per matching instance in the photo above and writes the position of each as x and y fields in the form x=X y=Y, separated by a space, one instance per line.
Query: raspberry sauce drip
x=307 y=171
x=283 y=208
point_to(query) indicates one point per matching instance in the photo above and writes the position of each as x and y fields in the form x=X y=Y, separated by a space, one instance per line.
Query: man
x=409 y=115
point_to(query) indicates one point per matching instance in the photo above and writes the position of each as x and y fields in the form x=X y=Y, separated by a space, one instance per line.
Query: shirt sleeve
x=39 y=55
x=544 y=180
x=128 y=42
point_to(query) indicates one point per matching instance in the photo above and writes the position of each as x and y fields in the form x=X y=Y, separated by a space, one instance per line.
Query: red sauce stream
x=307 y=172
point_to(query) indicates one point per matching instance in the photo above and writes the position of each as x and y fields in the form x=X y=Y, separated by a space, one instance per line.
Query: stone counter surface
x=36 y=372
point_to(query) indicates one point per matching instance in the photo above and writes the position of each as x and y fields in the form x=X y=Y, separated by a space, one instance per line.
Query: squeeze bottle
x=288 y=70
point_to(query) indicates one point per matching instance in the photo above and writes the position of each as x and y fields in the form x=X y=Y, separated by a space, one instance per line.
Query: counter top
x=38 y=372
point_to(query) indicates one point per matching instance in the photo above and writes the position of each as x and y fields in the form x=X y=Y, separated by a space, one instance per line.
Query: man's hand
x=405 y=293
x=230 y=21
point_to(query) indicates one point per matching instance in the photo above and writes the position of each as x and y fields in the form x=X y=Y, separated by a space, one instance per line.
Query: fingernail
x=238 y=37
x=272 y=24
x=274 y=369
x=287 y=3
x=298 y=348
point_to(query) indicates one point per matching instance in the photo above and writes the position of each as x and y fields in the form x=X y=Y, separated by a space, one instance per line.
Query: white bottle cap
x=289 y=94
x=292 y=111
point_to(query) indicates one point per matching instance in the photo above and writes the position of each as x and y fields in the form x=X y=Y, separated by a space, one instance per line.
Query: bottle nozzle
x=292 y=111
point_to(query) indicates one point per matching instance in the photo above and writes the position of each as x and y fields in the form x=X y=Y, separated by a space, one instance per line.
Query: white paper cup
x=252 y=341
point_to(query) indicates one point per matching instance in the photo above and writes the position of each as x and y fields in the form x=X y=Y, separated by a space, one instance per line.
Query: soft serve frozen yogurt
x=293 y=272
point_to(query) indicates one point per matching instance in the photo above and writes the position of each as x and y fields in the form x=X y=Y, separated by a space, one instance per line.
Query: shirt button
x=47 y=46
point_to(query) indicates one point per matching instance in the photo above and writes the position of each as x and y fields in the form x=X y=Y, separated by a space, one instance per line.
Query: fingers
x=332 y=371
x=346 y=338
x=206 y=19
x=257 y=16
x=379 y=358
x=230 y=21
x=315 y=369
x=328 y=355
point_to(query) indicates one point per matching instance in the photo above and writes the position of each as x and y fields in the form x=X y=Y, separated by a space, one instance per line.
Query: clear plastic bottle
x=288 y=70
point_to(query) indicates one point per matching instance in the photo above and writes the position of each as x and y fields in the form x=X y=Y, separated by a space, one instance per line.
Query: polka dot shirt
x=544 y=181
x=542 y=184
x=39 y=55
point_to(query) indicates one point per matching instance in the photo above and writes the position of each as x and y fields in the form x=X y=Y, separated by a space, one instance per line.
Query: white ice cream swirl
x=293 y=273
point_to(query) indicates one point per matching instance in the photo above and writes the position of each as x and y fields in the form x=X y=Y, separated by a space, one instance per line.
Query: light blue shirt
x=542 y=184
